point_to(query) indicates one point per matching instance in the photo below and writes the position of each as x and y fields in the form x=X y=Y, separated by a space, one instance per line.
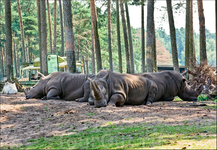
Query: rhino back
x=66 y=83
x=168 y=83
x=132 y=87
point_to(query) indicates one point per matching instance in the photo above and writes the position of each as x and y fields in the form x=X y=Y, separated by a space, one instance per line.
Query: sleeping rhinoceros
x=65 y=85
x=120 y=89
x=171 y=84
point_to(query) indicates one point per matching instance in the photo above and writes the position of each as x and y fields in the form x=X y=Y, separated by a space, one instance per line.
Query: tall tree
x=203 y=55
x=118 y=36
x=21 y=30
x=143 y=36
x=130 y=39
x=39 y=30
x=15 y=57
x=8 y=28
x=125 y=37
x=154 y=49
x=172 y=36
x=187 y=30
x=50 y=30
x=96 y=34
x=43 y=37
x=149 y=36
x=191 y=36
x=92 y=48
x=1 y=45
x=62 y=34
x=109 y=36
x=55 y=28
x=69 y=36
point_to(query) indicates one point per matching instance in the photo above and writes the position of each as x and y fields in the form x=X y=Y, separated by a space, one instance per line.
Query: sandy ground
x=23 y=119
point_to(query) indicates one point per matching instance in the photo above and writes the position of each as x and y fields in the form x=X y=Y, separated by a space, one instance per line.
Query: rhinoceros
x=64 y=85
x=117 y=89
x=171 y=84
x=145 y=88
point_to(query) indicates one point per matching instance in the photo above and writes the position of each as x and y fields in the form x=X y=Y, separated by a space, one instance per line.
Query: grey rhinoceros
x=171 y=84
x=64 y=85
x=119 y=89
x=145 y=88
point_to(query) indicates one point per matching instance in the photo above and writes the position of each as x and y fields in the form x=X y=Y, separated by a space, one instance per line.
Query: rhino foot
x=81 y=100
x=148 y=103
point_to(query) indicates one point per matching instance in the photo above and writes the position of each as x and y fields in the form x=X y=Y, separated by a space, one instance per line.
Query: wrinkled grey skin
x=62 y=85
x=171 y=84
x=115 y=89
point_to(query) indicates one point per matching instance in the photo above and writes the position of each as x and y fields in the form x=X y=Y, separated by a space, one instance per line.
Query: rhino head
x=189 y=93
x=37 y=91
x=99 y=92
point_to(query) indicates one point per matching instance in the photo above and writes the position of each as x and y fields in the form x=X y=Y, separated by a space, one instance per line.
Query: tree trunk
x=149 y=36
x=69 y=36
x=8 y=28
x=78 y=50
x=14 y=56
x=87 y=65
x=21 y=31
x=143 y=36
x=50 y=30
x=29 y=48
x=39 y=31
x=125 y=37
x=187 y=30
x=154 y=50
x=118 y=36
x=172 y=36
x=216 y=33
x=191 y=37
x=96 y=35
x=203 y=55
x=1 y=57
x=82 y=57
x=93 y=49
x=62 y=33
x=130 y=39
x=55 y=28
x=109 y=36
x=43 y=37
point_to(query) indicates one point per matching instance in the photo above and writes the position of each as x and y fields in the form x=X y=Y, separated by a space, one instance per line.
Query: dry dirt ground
x=23 y=119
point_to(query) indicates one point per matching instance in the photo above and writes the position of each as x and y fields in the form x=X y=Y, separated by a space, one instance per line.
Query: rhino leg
x=116 y=100
x=86 y=89
x=152 y=94
x=53 y=94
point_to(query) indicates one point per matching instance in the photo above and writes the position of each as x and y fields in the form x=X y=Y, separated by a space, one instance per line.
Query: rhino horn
x=25 y=91
x=40 y=74
x=95 y=90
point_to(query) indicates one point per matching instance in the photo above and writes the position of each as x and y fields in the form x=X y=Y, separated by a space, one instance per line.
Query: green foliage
x=134 y=136
x=202 y=97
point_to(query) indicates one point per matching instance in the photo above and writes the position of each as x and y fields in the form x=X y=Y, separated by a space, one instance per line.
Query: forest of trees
x=103 y=39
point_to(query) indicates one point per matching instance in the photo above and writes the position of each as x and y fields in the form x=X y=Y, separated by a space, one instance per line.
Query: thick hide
x=119 y=89
x=171 y=84
x=62 y=85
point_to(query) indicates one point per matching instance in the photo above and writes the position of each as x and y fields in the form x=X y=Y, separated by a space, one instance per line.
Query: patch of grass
x=91 y=114
x=202 y=97
x=177 y=99
x=211 y=106
x=129 y=137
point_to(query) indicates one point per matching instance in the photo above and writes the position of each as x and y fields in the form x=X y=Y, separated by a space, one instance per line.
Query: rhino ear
x=106 y=77
x=89 y=79
x=183 y=80
x=40 y=74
